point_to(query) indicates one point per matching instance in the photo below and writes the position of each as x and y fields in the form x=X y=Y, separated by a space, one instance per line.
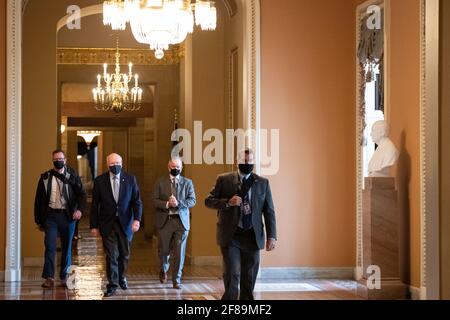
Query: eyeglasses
x=59 y=159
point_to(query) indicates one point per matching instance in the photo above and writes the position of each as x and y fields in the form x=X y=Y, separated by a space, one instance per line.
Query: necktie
x=116 y=189
x=246 y=210
x=173 y=188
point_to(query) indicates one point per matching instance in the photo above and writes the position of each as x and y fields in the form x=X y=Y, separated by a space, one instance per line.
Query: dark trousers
x=117 y=251
x=58 y=223
x=241 y=265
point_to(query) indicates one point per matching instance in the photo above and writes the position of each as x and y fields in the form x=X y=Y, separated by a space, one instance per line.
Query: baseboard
x=306 y=273
x=415 y=293
x=204 y=261
x=33 y=261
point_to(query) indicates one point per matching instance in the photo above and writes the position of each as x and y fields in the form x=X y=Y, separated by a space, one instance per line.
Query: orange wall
x=308 y=91
x=2 y=132
x=445 y=148
x=404 y=113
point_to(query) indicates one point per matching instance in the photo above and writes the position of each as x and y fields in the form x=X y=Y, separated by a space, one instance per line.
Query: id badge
x=246 y=209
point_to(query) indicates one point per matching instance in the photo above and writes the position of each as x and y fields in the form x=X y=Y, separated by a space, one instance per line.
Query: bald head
x=114 y=160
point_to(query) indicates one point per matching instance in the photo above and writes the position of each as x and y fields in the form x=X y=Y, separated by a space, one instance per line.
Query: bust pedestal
x=381 y=241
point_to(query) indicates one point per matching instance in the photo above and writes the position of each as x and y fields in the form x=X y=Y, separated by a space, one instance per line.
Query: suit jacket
x=185 y=197
x=226 y=187
x=104 y=207
x=73 y=193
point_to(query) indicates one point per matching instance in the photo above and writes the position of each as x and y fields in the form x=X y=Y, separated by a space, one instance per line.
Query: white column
x=13 y=140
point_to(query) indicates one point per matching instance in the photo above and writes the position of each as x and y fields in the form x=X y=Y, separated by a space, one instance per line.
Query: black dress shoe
x=162 y=276
x=110 y=292
x=178 y=286
x=123 y=284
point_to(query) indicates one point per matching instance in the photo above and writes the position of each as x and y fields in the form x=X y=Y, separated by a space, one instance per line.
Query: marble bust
x=386 y=154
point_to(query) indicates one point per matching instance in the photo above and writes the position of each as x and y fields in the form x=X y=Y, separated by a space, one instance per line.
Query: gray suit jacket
x=185 y=197
x=226 y=187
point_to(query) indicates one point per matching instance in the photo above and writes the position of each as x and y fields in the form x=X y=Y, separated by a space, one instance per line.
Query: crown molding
x=99 y=56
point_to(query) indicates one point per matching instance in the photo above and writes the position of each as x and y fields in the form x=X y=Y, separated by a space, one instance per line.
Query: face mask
x=175 y=172
x=115 y=169
x=58 y=165
x=246 y=168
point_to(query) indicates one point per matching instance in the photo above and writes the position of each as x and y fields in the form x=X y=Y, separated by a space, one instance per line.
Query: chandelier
x=116 y=94
x=160 y=23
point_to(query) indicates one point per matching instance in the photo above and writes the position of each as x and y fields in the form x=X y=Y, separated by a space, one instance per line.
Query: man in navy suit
x=116 y=214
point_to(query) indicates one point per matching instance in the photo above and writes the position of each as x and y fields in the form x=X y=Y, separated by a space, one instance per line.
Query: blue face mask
x=116 y=169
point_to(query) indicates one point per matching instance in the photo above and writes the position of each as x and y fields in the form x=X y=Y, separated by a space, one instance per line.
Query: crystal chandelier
x=160 y=23
x=117 y=95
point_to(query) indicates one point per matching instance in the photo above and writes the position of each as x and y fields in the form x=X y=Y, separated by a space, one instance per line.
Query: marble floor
x=200 y=283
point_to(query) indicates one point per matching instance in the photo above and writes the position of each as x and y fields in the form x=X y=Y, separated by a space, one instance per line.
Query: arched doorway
x=17 y=189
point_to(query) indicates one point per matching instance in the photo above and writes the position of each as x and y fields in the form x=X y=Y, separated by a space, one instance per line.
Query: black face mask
x=58 y=165
x=246 y=168
x=175 y=172
x=115 y=169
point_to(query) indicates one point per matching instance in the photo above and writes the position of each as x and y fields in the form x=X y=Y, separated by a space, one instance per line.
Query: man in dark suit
x=60 y=201
x=116 y=214
x=173 y=197
x=242 y=199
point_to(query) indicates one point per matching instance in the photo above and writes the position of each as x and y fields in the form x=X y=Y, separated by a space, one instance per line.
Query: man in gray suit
x=242 y=199
x=173 y=197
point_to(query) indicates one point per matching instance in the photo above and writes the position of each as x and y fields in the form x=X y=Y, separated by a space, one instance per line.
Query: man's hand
x=77 y=215
x=236 y=201
x=271 y=245
x=173 y=202
x=136 y=226
x=95 y=233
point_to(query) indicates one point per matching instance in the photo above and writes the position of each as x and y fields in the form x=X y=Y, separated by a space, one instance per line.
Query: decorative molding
x=306 y=273
x=423 y=217
x=99 y=56
x=254 y=62
x=24 y=5
x=361 y=10
x=415 y=293
x=13 y=140
x=429 y=149
x=231 y=6
x=252 y=74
